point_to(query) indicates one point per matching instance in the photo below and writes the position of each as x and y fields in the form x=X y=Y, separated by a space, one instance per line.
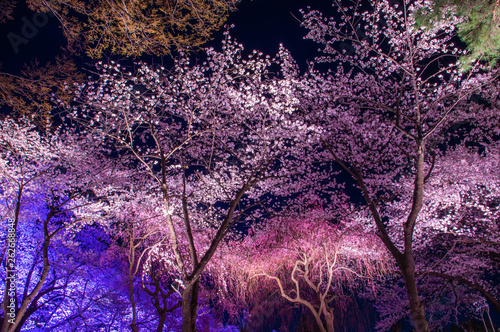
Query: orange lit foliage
x=134 y=28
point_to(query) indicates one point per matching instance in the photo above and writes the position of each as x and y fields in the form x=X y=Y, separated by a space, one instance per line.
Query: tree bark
x=194 y=302
x=190 y=293
x=131 y=266
x=407 y=261
x=329 y=317
x=189 y=309
x=416 y=306
x=161 y=322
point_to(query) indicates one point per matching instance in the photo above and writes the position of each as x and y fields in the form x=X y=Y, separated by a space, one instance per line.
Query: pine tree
x=479 y=29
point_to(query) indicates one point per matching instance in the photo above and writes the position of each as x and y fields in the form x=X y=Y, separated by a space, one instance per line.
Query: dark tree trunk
x=416 y=306
x=396 y=328
x=161 y=322
x=406 y=261
x=189 y=307
x=194 y=302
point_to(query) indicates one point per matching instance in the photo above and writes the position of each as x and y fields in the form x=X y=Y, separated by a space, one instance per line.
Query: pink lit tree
x=211 y=138
x=311 y=262
x=394 y=104
x=456 y=242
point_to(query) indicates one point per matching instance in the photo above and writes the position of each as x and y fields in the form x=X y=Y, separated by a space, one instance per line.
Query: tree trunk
x=416 y=306
x=194 y=302
x=317 y=315
x=189 y=307
x=133 y=324
x=329 y=322
x=406 y=261
x=161 y=322
x=396 y=328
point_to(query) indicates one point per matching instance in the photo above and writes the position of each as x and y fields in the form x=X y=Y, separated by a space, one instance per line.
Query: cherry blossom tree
x=137 y=231
x=48 y=192
x=212 y=138
x=393 y=104
x=91 y=297
x=456 y=242
x=312 y=262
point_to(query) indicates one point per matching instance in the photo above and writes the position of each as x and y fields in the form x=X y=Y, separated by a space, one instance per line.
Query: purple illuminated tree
x=49 y=189
x=92 y=297
x=137 y=232
x=390 y=110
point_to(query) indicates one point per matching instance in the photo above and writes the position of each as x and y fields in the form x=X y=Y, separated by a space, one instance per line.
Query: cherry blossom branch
x=479 y=288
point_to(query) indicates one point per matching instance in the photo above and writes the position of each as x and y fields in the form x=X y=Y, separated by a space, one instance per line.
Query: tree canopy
x=101 y=29
x=134 y=28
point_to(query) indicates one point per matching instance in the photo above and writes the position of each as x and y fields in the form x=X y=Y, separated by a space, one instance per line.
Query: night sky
x=42 y=42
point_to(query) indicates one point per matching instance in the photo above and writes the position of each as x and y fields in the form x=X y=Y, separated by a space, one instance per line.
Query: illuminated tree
x=310 y=262
x=48 y=192
x=130 y=28
x=134 y=28
x=137 y=226
x=394 y=103
x=456 y=241
x=212 y=138
x=34 y=93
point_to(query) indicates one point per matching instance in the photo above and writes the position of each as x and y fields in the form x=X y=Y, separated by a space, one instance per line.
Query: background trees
x=173 y=160
x=101 y=29
x=32 y=93
x=480 y=28
x=133 y=28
